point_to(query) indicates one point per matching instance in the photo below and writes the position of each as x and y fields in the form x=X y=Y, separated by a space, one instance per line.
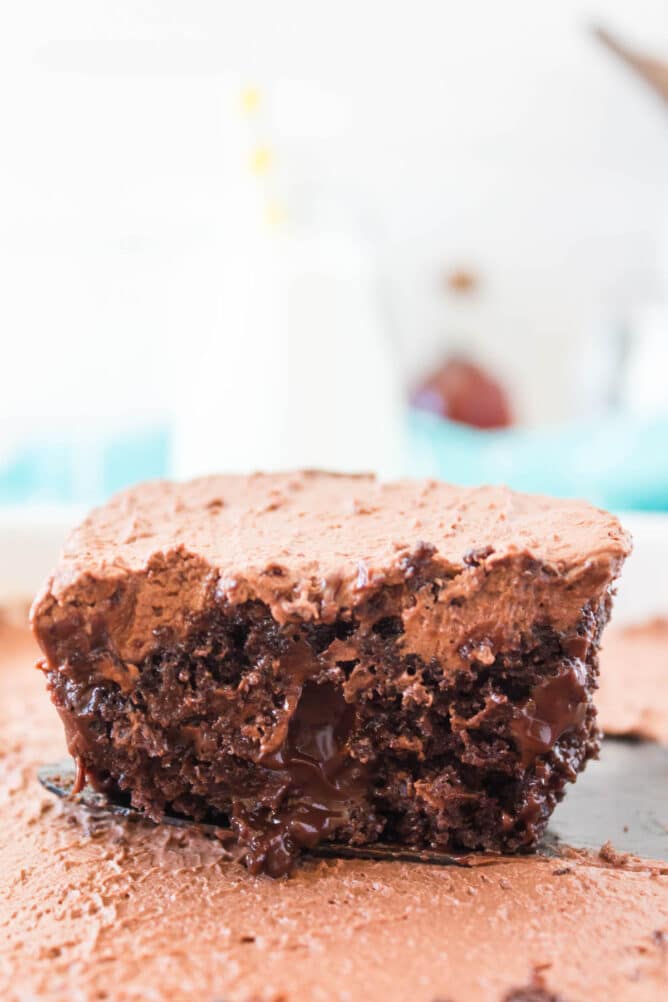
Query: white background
x=496 y=135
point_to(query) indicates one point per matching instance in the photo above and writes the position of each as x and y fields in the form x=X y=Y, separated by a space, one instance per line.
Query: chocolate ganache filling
x=556 y=707
x=319 y=783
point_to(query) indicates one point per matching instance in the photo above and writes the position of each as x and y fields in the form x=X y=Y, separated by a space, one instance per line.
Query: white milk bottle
x=299 y=370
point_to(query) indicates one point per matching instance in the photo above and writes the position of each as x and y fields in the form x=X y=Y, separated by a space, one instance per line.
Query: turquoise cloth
x=615 y=462
x=66 y=469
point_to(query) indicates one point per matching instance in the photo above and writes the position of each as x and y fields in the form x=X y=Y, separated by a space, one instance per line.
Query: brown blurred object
x=461 y=280
x=462 y=391
x=653 y=71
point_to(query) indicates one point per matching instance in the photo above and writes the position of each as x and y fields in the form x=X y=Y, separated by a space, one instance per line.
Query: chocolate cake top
x=304 y=542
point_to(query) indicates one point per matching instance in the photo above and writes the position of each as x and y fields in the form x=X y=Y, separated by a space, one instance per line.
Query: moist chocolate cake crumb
x=284 y=654
x=610 y=855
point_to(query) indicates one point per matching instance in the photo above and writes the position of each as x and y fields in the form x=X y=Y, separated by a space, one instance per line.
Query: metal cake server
x=622 y=798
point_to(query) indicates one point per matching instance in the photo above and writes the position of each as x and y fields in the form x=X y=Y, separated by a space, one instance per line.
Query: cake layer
x=312 y=656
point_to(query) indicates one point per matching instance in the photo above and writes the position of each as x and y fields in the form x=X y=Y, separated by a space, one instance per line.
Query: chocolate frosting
x=309 y=544
x=633 y=695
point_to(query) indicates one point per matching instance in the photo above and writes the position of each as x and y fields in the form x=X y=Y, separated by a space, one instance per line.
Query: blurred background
x=425 y=238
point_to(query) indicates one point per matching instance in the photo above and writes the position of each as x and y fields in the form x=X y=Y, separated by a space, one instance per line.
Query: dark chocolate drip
x=315 y=754
x=555 y=707
x=321 y=782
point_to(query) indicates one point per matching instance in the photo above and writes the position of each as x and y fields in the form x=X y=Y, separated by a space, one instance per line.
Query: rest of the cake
x=312 y=656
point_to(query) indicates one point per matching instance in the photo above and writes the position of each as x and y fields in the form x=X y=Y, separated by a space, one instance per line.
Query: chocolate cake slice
x=319 y=657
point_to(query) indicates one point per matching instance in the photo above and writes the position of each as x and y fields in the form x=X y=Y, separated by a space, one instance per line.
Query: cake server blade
x=622 y=798
x=60 y=778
